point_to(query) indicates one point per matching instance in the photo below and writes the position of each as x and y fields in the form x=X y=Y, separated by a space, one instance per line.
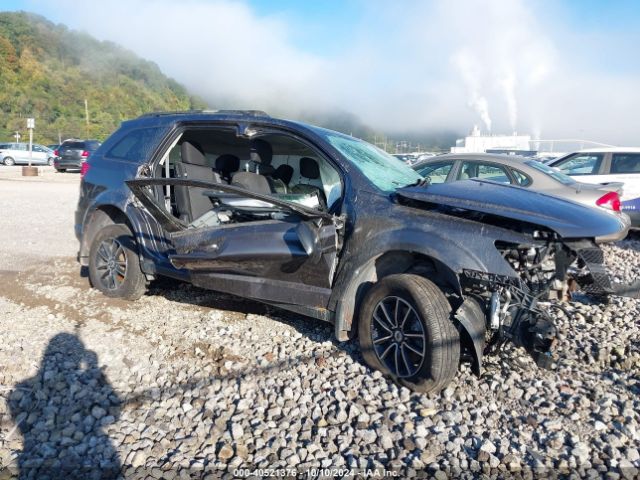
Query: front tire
x=8 y=161
x=405 y=331
x=114 y=265
x=61 y=170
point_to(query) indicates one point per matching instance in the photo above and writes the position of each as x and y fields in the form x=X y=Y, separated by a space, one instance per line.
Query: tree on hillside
x=47 y=71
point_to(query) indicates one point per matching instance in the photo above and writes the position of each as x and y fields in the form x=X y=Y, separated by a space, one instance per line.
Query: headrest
x=227 y=163
x=261 y=152
x=192 y=153
x=284 y=172
x=309 y=168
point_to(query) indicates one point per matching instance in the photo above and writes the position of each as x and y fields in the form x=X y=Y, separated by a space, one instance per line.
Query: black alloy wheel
x=398 y=337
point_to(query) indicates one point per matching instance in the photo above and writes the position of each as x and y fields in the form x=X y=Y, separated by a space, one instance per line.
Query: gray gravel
x=193 y=383
x=622 y=257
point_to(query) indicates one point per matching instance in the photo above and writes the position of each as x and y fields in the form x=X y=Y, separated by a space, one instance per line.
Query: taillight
x=85 y=153
x=84 y=168
x=55 y=152
x=610 y=200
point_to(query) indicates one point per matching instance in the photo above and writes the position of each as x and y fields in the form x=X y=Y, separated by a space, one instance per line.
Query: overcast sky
x=557 y=69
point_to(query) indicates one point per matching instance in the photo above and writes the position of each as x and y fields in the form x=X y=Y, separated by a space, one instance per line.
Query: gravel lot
x=187 y=383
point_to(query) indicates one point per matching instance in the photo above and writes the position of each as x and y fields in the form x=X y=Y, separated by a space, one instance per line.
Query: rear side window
x=625 y=163
x=581 y=164
x=136 y=145
x=521 y=178
x=484 y=171
x=437 y=172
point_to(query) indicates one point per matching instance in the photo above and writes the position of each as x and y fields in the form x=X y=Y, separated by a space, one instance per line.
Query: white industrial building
x=478 y=143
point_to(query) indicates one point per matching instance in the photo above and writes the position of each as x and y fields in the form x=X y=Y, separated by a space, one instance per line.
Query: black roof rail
x=253 y=113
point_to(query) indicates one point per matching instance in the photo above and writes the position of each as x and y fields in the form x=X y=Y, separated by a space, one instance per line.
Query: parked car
x=407 y=158
x=332 y=227
x=73 y=153
x=604 y=166
x=54 y=147
x=424 y=156
x=18 y=153
x=523 y=172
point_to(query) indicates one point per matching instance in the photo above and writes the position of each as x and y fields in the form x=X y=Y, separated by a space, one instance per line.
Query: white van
x=608 y=165
x=16 y=153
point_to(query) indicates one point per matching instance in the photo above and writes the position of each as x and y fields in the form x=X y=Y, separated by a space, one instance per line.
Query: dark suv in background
x=71 y=154
x=329 y=226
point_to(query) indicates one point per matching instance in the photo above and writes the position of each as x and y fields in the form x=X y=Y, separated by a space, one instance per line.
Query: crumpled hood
x=568 y=219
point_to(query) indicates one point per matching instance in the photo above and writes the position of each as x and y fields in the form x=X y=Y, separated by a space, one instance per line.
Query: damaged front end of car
x=549 y=246
x=517 y=309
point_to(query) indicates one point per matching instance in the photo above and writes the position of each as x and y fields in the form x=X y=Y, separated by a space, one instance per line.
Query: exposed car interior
x=275 y=165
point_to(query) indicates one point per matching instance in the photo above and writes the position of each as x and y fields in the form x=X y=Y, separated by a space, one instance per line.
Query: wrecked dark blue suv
x=329 y=226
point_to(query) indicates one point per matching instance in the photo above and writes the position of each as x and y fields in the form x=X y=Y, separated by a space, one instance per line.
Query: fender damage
x=550 y=241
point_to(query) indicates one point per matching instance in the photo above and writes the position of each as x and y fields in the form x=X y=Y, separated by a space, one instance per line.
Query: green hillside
x=47 y=71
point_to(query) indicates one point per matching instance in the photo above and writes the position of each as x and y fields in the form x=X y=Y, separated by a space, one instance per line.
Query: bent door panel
x=265 y=260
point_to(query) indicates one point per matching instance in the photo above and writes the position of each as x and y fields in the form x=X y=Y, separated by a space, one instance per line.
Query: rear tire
x=8 y=161
x=50 y=161
x=114 y=264
x=405 y=331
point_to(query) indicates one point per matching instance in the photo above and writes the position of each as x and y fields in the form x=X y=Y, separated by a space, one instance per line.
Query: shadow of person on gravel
x=62 y=412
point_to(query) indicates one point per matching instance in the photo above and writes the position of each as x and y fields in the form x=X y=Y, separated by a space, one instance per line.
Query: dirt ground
x=37 y=217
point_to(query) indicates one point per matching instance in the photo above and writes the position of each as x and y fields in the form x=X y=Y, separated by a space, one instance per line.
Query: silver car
x=520 y=171
x=17 y=153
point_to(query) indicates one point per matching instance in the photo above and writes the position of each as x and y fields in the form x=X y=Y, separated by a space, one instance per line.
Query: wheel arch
x=96 y=220
x=382 y=265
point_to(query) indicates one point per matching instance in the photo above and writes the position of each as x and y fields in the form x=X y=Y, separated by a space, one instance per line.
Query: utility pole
x=17 y=135
x=86 y=117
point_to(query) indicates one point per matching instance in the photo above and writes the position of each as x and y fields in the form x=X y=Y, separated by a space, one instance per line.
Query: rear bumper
x=621 y=234
x=61 y=163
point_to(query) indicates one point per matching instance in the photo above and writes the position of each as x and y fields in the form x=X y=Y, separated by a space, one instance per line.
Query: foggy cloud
x=503 y=65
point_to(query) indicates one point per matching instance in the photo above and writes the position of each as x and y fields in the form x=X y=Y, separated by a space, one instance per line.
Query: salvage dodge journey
x=329 y=226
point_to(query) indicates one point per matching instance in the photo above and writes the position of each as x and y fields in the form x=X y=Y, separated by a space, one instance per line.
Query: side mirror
x=309 y=237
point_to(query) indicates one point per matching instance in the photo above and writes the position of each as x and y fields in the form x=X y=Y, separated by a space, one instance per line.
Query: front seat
x=226 y=165
x=190 y=201
x=309 y=170
x=466 y=173
x=281 y=178
x=252 y=182
x=261 y=155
